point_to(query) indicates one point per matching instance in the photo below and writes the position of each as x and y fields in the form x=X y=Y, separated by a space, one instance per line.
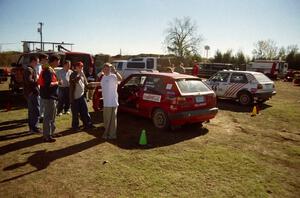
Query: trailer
x=271 y=68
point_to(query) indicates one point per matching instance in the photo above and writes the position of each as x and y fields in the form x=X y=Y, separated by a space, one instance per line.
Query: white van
x=135 y=65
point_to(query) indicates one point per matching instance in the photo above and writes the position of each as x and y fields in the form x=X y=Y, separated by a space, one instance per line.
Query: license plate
x=268 y=86
x=199 y=99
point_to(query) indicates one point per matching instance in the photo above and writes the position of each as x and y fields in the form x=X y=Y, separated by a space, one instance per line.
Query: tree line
x=182 y=40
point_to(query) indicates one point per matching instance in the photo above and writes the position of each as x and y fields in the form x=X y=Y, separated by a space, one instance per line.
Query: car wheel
x=160 y=119
x=245 y=98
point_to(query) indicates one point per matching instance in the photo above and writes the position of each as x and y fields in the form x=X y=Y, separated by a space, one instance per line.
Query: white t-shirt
x=109 y=86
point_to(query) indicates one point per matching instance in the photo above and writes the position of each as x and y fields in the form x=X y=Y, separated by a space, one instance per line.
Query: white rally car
x=244 y=86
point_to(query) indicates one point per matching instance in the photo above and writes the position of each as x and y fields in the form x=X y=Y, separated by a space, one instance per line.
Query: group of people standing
x=49 y=93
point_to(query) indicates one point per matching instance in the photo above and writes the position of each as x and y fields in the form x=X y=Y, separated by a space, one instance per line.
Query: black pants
x=63 y=100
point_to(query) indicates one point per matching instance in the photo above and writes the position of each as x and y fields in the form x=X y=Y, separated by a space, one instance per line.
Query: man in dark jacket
x=48 y=92
x=31 y=92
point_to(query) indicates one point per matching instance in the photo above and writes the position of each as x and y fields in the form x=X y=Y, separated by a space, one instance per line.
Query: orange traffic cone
x=254 y=111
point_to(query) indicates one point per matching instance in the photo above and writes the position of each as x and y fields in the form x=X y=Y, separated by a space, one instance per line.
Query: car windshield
x=191 y=86
x=260 y=77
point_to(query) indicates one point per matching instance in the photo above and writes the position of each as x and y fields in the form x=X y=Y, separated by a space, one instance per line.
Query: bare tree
x=265 y=49
x=292 y=49
x=182 y=38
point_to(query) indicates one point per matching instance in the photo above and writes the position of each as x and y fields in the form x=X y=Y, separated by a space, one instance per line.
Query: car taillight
x=259 y=86
x=211 y=100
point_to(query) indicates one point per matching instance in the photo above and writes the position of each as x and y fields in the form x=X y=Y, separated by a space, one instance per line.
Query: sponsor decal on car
x=169 y=87
x=152 y=97
x=234 y=88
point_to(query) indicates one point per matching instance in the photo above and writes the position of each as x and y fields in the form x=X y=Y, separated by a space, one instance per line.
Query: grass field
x=235 y=155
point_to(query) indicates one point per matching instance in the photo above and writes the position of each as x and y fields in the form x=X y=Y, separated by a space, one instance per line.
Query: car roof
x=238 y=71
x=170 y=75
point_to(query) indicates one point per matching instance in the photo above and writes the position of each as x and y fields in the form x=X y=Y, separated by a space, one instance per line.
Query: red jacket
x=195 y=70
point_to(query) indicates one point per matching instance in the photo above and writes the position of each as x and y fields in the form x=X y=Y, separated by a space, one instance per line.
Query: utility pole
x=40 y=30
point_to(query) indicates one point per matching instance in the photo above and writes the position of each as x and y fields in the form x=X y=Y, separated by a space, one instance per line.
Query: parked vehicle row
x=172 y=99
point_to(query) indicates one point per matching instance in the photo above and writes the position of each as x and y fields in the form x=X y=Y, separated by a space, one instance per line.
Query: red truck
x=16 y=81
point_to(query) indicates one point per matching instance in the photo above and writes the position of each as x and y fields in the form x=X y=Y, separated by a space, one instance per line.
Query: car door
x=219 y=83
x=236 y=82
x=153 y=94
x=130 y=93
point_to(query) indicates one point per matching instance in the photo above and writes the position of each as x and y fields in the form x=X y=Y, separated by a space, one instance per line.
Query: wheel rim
x=159 y=119
x=244 y=99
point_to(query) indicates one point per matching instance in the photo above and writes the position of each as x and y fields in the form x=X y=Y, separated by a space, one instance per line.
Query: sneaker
x=50 y=140
x=89 y=127
x=68 y=112
x=56 y=135
x=59 y=114
x=37 y=130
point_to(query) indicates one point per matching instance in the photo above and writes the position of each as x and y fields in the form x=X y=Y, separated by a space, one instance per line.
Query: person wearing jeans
x=43 y=60
x=31 y=92
x=78 y=82
x=48 y=92
x=63 y=77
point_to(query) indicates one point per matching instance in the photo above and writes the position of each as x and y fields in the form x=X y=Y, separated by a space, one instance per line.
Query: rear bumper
x=194 y=116
x=264 y=96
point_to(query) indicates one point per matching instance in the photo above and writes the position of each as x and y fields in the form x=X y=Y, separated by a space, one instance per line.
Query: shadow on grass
x=41 y=159
x=130 y=127
x=27 y=143
x=129 y=130
x=9 y=125
x=231 y=105
x=15 y=135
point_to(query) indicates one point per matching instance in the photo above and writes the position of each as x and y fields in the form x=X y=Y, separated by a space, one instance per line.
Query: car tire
x=245 y=98
x=160 y=119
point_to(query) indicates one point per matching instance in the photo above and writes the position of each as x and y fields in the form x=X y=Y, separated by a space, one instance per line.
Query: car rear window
x=191 y=86
x=260 y=77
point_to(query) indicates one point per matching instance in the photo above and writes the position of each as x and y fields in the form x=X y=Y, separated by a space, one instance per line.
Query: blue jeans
x=49 y=117
x=79 y=106
x=41 y=107
x=33 y=111
x=63 y=100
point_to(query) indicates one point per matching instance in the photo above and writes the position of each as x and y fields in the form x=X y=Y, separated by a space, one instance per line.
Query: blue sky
x=138 y=26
